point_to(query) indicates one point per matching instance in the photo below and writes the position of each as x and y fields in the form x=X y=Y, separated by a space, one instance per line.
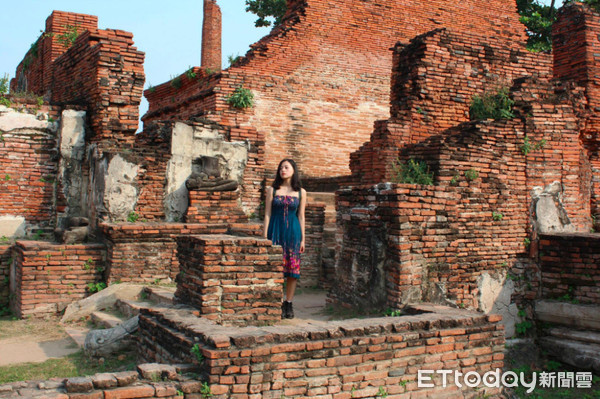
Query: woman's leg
x=290 y=288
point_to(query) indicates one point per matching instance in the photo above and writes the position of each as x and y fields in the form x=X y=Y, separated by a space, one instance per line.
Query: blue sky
x=170 y=33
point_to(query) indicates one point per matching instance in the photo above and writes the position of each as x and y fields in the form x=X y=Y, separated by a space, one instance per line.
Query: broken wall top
x=324 y=72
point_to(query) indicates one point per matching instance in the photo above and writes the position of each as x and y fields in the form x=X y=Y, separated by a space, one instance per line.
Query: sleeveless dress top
x=284 y=229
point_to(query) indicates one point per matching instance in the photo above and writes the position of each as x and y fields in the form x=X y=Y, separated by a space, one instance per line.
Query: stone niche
x=190 y=144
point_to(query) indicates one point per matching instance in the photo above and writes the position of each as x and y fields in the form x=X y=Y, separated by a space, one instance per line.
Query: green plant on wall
x=494 y=104
x=241 y=98
x=190 y=73
x=497 y=216
x=471 y=174
x=132 y=217
x=176 y=82
x=68 y=38
x=528 y=146
x=412 y=172
x=95 y=287
x=232 y=59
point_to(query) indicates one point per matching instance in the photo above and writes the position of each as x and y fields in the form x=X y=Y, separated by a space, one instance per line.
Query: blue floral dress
x=284 y=229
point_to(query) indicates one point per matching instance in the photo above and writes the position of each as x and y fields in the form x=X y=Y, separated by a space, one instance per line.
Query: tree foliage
x=268 y=11
x=538 y=18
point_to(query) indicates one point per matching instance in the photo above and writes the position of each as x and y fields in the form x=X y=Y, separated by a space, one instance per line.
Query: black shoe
x=290 y=311
x=284 y=310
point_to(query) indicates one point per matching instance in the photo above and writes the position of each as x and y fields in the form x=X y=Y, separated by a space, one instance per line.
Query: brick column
x=231 y=280
x=211 y=36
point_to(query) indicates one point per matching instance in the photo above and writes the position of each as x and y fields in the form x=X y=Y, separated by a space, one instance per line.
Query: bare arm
x=268 y=202
x=301 y=218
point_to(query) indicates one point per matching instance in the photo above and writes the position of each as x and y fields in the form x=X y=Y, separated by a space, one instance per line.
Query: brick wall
x=570 y=267
x=310 y=268
x=215 y=207
x=355 y=357
x=28 y=165
x=5 y=262
x=406 y=243
x=434 y=78
x=35 y=73
x=62 y=74
x=148 y=381
x=576 y=46
x=320 y=67
x=231 y=280
x=145 y=252
x=48 y=276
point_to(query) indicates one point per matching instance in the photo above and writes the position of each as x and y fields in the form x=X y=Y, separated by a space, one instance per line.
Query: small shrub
x=95 y=287
x=497 y=216
x=4 y=84
x=68 y=38
x=495 y=105
x=454 y=180
x=526 y=242
x=241 y=98
x=523 y=327
x=87 y=265
x=190 y=73
x=205 y=390
x=471 y=174
x=528 y=146
x=392 y=313
x=382 y=393
x=5 y=101
x=176 y=82
x=412 y=172
x=39 y=100
x=232 y=59
x=197 y=353
x=132 y=217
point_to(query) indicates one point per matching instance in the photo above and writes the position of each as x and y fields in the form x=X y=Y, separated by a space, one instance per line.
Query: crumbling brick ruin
x=351 y=90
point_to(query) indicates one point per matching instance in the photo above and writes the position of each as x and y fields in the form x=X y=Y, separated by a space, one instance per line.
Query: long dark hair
x=296 y=184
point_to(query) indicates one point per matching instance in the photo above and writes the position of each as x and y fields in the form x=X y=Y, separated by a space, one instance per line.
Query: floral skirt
x=291 y=263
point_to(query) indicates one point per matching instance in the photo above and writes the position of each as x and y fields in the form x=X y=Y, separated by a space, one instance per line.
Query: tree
x=268 y=11
x=538 y=18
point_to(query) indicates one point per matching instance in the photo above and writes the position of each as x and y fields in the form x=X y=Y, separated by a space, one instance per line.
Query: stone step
x=130 y=308
x=579 y=316
x=163 y=295
x=105 y=319
x=575 y=335
x=582 y=355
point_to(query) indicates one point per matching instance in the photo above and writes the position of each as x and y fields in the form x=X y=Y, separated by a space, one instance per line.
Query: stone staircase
x=125 y=309
x=574 y=333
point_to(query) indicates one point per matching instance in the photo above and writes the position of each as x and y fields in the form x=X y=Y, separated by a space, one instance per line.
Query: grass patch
x=48 y=328
x=75 y=365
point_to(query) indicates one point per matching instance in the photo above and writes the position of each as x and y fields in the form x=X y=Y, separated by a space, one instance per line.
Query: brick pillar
x=576 y=50
x=211 y=36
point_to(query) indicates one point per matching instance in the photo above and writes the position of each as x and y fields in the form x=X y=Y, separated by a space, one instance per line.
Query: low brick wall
x=49 y=276
x=570 y=265
x=215 y=207
x=145 y=252
x=231 y=280
x=5 y=261
x=344 y=359
x=140 y=384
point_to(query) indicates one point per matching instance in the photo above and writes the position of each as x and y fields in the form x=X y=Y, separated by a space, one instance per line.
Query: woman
x=284 y=225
